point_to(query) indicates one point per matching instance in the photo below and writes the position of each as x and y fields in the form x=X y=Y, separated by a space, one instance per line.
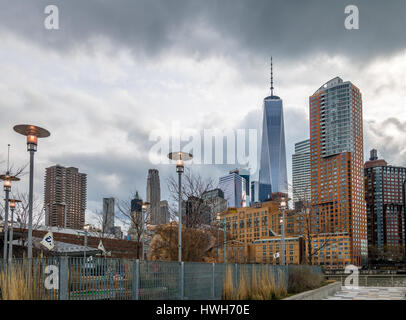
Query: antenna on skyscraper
x=8 y=159
x=271 y=78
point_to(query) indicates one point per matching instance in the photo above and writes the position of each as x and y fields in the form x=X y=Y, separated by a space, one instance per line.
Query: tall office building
x=337 y=171
x=384 y=195
x=214 y=199
x=233 y=185
x=254 y=192
x=156 y=210
x=108 y=215
x=164 y=212
x=272 y=171
x=65 y=197
x=301 y=172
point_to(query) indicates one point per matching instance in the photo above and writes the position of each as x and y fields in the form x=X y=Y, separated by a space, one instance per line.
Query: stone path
x=370 y=293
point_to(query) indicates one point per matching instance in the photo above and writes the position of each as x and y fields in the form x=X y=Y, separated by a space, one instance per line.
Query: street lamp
x=282 y=221
x=13 y=203
x=143 y=211
x=32 y=133
x=180 y=157
x=7 y=179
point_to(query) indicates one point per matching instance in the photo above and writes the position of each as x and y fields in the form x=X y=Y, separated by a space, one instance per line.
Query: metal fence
x=105 y=279
x=373 y=280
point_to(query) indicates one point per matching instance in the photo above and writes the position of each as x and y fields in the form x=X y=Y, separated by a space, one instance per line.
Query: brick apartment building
x=65 y=197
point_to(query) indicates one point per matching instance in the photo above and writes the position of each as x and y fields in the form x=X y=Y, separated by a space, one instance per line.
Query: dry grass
x=261 y=287
x=228 y=287
x=16 y=283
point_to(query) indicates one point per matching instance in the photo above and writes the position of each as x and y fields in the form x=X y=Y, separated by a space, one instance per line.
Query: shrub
x=302 y=278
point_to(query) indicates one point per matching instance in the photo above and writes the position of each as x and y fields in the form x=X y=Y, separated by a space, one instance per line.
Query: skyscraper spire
x=8 y=159
x=271 y=78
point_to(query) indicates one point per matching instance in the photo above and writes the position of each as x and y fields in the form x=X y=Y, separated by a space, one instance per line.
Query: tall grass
x=17 y=283
x=261 y=287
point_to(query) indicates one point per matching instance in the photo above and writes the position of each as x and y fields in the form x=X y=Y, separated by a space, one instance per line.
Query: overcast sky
x=117 y=70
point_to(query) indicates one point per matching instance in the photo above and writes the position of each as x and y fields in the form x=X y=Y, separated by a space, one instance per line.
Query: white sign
x=48 y=241
x=276 y=255
x=101 y=247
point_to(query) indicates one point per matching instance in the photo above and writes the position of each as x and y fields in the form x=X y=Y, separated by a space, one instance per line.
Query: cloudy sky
x=115 y=71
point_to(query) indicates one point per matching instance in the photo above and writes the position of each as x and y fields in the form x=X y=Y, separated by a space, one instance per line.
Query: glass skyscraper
x=272 y=170
x=233 y=185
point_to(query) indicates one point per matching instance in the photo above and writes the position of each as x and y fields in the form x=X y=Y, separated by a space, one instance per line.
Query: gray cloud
x=288 y=29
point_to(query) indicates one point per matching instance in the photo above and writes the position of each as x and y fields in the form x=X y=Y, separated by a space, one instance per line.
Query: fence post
x=366 y=280
x=212 y=280
x=136 y=280
x=63 y=278
x=181 y=280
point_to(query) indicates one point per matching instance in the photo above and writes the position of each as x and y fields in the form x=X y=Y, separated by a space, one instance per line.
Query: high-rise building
x=108 y=215
x=164 y=212
x=233 y=185
x=272 y=170
x=254 y=192
x=301 y=172
x=337 y=172
x=384 y=195
x=65 y=197
x=154 y=197
x=214 y=199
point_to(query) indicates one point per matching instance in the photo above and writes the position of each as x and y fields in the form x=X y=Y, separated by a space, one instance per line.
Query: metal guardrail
x=373 y=280
x=111 y=279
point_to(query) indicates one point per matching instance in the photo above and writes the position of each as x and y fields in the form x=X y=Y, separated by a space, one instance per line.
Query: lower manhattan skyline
x=101 y=94
x=193 y=157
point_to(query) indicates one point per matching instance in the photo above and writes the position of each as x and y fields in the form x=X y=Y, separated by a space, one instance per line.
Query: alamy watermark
x=208 y=146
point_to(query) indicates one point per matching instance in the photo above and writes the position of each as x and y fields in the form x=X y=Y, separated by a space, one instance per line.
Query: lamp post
x=13 y=203
x=225 y=242
x=32 y=133
x=282 y=221
x=143 y=211
x=180 y=157
x=7 y=188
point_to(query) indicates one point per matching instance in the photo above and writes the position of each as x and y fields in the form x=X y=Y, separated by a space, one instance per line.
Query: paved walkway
x=370 y=293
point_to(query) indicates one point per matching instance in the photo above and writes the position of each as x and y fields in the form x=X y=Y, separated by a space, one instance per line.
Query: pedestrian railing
x=72 y=278
x=373 y=280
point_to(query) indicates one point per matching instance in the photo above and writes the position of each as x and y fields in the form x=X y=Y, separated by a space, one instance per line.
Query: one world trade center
x=272 y=170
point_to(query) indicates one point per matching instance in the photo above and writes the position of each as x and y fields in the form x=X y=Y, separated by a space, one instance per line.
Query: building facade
x=384 y=194
x=336 y=159
x=301 y=172
x=65 y=197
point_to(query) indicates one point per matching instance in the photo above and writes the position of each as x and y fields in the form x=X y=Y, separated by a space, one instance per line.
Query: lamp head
x=13 y=203
x=7 y=179
x=33 y=133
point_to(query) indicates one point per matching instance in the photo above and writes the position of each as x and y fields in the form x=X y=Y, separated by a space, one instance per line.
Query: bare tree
x=197 y=244
x=133 y=220
x=195 y=211
x=310 y=226
x=21 y=214
x=199 y=238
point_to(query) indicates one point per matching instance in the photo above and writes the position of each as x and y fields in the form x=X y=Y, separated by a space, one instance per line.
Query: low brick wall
x=119 y=248
x=317 y=294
